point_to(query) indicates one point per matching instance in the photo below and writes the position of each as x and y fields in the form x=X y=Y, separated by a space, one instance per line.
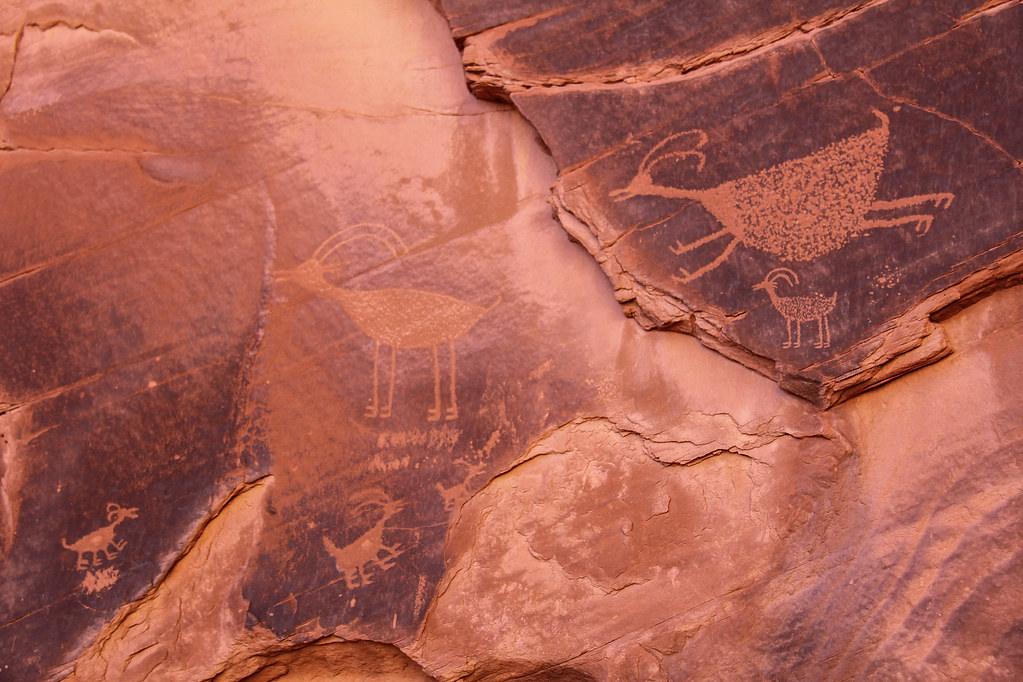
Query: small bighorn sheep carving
x=799 y=309
x=102 y=541
x=367 y=554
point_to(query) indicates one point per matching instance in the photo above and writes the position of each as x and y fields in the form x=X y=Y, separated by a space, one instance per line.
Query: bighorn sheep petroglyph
x=358 y=560
x=397 y=318
x=798 y=209
x=102 y=541
x=799 y=309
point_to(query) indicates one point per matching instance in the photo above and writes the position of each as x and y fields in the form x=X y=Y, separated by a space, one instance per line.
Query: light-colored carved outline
x=798 y=209
x=102 y=540
x=799 y=309
x=367 y=555
x=396 y=318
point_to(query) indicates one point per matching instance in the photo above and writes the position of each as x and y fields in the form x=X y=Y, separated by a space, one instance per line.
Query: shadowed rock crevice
x=327 y=659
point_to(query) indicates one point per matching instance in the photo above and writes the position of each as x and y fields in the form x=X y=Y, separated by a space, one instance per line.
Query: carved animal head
x=677 y=147
x=116 y=511
x=375 y=497
x=310 y=275
x=373 y=231
x=771 y=280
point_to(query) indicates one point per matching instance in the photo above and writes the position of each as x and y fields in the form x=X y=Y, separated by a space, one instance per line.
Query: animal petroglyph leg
x=788 y=330
x=821 y=326
x=681 y=248
x=386 y=412
x=923 y=222
x=690 y=276
x=940 y=200
x=452 y=412
x=434 y=413
x=373 y=408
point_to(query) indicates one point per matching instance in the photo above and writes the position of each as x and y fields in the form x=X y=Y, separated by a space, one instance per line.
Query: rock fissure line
x=43 y=27
x=940 y=114
x=6 y=408
x=5 y=86
x=110 y=631
x=483 y=78
x=989 y=8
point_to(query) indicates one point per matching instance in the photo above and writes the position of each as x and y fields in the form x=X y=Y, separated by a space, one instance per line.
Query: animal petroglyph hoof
x=433 y=414
x=944 y=200
x=685 y=279
x=452 y=413
x=924 y=225
x=371 y=411
x=385 y=413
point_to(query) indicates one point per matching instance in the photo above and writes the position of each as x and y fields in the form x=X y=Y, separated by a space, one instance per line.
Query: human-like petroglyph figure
x=797 y=210
x=799 y=309
x=395 y=318
x=360 y=559
x=101 y=541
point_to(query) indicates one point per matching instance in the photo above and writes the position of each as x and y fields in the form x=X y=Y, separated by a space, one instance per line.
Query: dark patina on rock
x=808 y=205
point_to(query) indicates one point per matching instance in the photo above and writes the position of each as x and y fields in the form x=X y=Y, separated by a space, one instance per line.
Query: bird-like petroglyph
x=392 y=317
x=796 y=310
x=798 y=209
x=367 y=555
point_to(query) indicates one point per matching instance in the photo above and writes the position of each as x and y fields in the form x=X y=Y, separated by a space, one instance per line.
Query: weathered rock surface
x=803 y=186
x=303 y=379
x=787 y=556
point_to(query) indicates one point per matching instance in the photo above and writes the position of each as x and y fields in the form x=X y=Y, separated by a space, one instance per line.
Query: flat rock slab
x=803 y=186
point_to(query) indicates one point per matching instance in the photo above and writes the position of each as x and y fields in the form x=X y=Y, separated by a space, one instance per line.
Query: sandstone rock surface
x=303 y=379
x=803 y=186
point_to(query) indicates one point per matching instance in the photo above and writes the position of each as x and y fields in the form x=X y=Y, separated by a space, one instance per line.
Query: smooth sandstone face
x=303 y=377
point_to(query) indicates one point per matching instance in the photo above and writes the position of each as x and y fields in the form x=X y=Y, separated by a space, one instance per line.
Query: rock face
x=302 y=379
x=803 y=186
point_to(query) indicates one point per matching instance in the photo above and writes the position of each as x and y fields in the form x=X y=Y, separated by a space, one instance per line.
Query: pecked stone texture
x=304 y=381
x=802 y=186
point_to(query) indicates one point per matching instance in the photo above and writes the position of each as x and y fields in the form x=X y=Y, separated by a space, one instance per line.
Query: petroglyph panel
x=297 y=360
x=886 y=198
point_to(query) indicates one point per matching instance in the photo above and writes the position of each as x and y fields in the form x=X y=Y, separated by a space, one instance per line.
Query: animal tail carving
x=883 y=118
